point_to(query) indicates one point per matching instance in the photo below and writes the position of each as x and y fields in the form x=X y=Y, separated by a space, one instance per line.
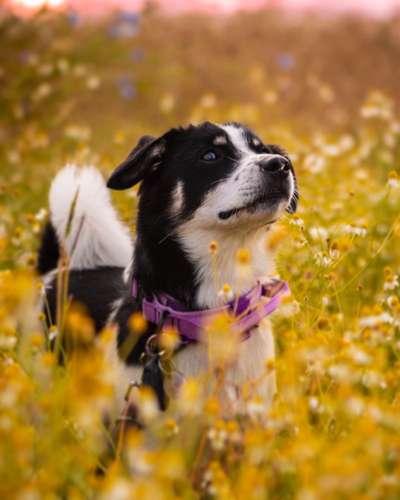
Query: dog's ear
x=143 y=159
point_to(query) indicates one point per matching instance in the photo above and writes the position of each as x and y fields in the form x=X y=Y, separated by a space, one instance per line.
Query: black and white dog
x=198 y=184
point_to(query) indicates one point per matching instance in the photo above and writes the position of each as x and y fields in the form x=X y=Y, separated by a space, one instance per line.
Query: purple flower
x=285 y=61
x=73 y=18
x=137 y=54
x=129 y=17
x=25 y=56
x=126 y=25
x=126 y=88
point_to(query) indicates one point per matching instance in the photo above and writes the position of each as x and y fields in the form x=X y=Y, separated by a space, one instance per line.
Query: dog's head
x=218 y=176
x=198 y=184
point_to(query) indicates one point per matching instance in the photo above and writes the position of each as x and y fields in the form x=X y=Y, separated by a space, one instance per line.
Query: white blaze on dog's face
x=256 y=191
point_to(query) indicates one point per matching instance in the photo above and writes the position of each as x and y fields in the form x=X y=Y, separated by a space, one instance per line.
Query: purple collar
x=248 y=309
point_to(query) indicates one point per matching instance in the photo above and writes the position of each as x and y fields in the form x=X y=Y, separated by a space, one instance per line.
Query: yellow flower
x=212 y=406
x=226 y=293
x=189 y=400
x=37 y=340
x=169 y=339
x=222 y=340
x=275 y=237
x=171 y=426
x=270 y=365
x=79 y=326
x=146 y=403
x=137 y=323
x=243 y=256
x=213 y=247
x=48 y=359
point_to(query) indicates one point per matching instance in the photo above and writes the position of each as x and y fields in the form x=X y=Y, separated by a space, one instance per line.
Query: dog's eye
x=210 y=156
x=260 y=148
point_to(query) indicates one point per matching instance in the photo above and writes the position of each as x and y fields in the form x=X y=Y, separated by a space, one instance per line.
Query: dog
x=199 y=184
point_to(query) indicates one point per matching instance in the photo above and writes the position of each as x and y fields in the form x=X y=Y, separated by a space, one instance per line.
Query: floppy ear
x=143 y=159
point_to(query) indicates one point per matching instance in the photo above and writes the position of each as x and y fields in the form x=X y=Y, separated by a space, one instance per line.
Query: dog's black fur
x=97 y=289
x=49 y=251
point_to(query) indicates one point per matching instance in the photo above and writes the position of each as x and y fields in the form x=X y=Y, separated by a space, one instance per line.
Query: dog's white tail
x=85 y=221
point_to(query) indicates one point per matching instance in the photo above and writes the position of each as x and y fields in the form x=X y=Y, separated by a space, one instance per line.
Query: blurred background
x=121 y=65
x=151 y=64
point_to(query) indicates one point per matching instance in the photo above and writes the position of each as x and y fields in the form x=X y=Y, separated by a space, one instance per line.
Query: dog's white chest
x=250 y=371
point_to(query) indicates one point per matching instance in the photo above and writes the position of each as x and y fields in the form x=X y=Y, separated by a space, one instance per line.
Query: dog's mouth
x=266 y=201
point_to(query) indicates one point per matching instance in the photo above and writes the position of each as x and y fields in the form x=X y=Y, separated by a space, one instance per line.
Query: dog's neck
x=218 y=263
x=161 y=266
x=185 y=267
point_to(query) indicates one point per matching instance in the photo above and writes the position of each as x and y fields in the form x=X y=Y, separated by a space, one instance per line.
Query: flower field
x=327 y=89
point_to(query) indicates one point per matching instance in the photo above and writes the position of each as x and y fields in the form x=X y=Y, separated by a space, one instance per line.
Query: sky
x=381 y=8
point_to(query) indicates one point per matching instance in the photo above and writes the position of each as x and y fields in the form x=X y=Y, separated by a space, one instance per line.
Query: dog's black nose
x=275 y=165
